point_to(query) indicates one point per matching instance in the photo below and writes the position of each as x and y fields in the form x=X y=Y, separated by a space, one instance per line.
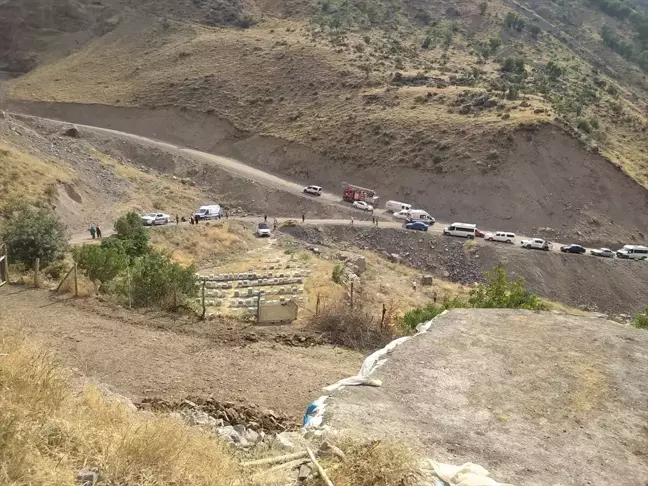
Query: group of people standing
x=95 y=231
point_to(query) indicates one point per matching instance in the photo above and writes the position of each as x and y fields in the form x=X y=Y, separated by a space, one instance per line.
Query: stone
x=283 y=441
x=3 y=115
x=426 y=279
x=252 y=436
x=86 y=477
x=72 y=132
x=361 y=265
x=395 y=257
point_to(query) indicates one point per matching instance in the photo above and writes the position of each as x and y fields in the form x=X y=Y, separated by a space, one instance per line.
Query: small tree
x=535 y=30
x=130 y=230
x=498 y=292
x=155 y=281
x=32 y=233
x=103 y=263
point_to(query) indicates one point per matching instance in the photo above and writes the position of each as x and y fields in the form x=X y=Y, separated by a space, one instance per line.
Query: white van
x=503 y=236
x=633 y=252
x=211 y=211
x=460 y=229
x=420 y=215
x=395 y=206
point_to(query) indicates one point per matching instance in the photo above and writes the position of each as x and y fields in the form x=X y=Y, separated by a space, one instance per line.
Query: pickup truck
x=536 y=244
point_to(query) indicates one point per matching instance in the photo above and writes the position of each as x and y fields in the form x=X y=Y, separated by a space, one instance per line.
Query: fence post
x=64 y=279
x=4 y=261
x=382 y=320
x=317 y=304
x=76 y=281
x=36 y=269
x=204 y=309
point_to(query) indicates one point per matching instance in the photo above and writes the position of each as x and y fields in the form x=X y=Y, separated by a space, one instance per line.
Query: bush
x=336 y=274
x=416 y=316
x=497 y=292
x=32 y=233
x=535 y=30
x=512 y=65
x=131 y=231
x=640 y=320
x=514 y=21
x=352 y=327
x=584 y=126
x=103 y=263
x=155 y=281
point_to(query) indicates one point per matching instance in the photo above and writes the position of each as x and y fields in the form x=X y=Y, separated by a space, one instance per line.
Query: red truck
x=356 y=193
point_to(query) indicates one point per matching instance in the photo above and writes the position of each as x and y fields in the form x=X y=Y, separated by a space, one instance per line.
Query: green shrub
x=514 y=21
x=416 y=316
x=496 y=292
x=499 y=293
x=640 y=320
x=336 y=274
x=131 y=231
x=103 y=263
x=584 y=125
x=155 y=281
x=32 y=233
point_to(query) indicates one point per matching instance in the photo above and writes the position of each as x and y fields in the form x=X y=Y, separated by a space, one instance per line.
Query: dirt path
x=140 y=355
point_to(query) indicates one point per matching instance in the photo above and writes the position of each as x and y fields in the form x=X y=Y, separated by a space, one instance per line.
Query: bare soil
x=535 y=398
x=156 y=355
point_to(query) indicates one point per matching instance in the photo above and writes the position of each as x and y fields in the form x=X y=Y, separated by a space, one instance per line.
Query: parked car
x=314 y=190
x=362 y=205
x=633 y=252
x=572 y=249
x=503 y=236
x=479 y=233
x=402 y=215
x=536 y=244
x=263 y=230
x=155 y=219
x=603 y=252
x=416 y=225
x=462 y=230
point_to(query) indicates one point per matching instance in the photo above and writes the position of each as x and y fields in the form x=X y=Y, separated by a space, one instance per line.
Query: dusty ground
x=536 y=398
x=152 y=355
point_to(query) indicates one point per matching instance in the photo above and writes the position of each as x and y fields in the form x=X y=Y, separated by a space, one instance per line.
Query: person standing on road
x=351 y=220
x=92 y=230
x=265 y=218
x=303 y=217
x=177 y=220
x=98 y=231
x=274 y=225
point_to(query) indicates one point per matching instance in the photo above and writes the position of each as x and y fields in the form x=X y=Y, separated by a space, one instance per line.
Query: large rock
x=72 y=132
x=538 y=398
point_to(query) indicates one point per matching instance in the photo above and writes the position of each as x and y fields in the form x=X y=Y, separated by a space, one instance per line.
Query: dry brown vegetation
x=49 y=431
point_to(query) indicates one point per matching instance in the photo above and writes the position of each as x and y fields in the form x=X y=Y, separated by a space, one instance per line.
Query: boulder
x=395 y=257
x=426 y=280
x=72 y=132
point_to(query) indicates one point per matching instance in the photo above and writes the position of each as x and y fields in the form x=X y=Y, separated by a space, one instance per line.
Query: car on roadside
x=479 y=233
x=405 y=214
x=503 y=236
x=578 y=249
x=602 y=252
x=155 y=219
x=263 y=230
x=314 y=190
x=416 y=225
x=362 y=205
x=536 y=244
x=633 y=252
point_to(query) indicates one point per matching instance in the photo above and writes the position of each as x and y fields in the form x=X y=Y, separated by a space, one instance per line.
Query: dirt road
x=155 y=355
x=243 y=170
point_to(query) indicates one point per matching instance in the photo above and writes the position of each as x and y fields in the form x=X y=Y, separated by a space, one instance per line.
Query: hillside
x=469 y=110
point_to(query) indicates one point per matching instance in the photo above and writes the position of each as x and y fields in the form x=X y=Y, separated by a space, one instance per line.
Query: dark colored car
x=479 y=233
x=572 y=249
x=416 y=225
